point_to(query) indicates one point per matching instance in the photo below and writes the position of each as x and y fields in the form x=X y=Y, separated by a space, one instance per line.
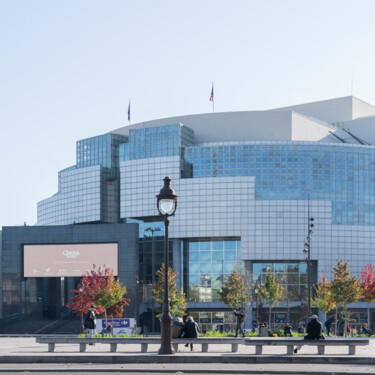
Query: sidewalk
x=26 y=350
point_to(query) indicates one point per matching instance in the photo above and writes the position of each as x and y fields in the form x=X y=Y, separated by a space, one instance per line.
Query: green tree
x=271 y=292
x=235 y=291
x=110 y=294
x=345 y=289
x=177 y=297
x=323 y=299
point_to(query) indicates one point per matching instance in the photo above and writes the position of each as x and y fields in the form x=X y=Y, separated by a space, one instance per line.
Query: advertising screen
x=68 y=260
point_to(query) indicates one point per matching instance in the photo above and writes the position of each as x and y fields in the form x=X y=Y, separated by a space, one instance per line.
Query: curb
x=142 y=359
x=185 y=371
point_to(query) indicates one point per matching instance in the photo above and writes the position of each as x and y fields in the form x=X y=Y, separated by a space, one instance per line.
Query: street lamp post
x=256 y=291
x=166 y=205
x=153 y=230
x=307 y=250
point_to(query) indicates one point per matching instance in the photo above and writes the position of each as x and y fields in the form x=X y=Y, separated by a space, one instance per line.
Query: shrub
x=225 y=334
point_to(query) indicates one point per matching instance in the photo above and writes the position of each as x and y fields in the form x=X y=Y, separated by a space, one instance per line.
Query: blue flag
x=212 y=93
x=129 y=111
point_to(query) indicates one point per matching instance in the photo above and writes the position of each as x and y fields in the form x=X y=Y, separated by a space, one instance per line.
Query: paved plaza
x=24 y=354
x=26 y=346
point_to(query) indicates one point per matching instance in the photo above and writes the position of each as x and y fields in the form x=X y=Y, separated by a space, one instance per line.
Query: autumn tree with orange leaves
x=100 y=287
x=368 y=287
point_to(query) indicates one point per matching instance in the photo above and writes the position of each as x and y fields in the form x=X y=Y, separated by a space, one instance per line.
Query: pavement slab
x=25 y=351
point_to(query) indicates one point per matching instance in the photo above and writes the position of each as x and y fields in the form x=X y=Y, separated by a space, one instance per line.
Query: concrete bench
x=84 y=341
x=205 y=341
x=143 y=341
x=291 y=343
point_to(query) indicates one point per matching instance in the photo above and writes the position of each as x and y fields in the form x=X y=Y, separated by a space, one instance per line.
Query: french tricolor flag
x=212 y=93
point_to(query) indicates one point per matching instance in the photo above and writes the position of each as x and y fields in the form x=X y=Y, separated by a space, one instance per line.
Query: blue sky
x=68 y=69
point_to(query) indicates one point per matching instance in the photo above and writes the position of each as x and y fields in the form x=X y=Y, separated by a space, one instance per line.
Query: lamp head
x=167 y=199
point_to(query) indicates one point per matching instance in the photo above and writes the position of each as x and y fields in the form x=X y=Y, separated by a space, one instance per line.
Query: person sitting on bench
x=107 y=330
x=367 y=331
x=287 y=330
x=314 y=331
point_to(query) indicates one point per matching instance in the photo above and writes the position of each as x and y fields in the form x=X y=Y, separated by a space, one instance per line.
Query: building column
x=249 y=319
x=176 y=265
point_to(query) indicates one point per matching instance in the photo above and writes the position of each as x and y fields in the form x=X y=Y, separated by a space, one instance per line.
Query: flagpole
x=212 y=98
x=129 y=112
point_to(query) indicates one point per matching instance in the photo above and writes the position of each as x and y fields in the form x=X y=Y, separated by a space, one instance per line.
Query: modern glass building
x=244 y=181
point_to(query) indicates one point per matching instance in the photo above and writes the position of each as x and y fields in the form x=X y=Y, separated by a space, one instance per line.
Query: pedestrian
x=348 y=330
x=341 y=324
x=328 y=324
x=287 y=330
x=367 y=331
x=301 y=328
x=241 y=316
x=264 y=331
x=177 y=326
x=314 y=331
x=190 y=330
x=90 y=321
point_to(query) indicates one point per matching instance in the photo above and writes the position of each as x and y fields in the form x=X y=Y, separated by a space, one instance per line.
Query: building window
x=208 y=262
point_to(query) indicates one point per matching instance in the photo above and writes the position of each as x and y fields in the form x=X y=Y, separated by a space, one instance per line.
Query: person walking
x=314 y=331
x=341 y=324
x=190 y=330
x=90 y=321
x=241 y=316
x=328 y=324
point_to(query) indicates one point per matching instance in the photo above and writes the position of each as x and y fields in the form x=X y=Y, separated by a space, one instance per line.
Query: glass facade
x=222 y=321
x=208 y=262
x=124 y=151
x=101 y=150
x=292 y=277
x=151 y=245
x=158 y=141
x=342 y=174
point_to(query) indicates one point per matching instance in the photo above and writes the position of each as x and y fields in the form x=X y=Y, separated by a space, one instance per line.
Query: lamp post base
x=166 y=350
x=166 y=335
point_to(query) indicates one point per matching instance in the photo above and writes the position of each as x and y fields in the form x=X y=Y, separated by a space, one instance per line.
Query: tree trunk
x=337 y=318
x=269 y=318
x=368 y=316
